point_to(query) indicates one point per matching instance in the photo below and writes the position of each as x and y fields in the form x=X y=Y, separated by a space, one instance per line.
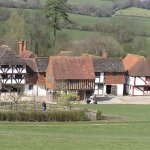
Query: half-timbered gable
x=109 y=74
x=137 y=78
x=12 y=67
x=36 y=73
x=70 y=73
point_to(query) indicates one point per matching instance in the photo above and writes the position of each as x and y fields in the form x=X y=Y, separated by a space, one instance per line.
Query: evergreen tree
x=55 y=12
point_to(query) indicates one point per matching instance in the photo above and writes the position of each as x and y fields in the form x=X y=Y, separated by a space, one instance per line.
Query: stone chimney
x=22 y=46
x=104 y=53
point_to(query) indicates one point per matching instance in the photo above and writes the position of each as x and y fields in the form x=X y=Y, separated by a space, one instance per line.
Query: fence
x=30 y=106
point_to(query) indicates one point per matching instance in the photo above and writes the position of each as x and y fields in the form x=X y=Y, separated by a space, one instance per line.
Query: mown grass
x=137 y=12
x=133 y=134
x=134 y=113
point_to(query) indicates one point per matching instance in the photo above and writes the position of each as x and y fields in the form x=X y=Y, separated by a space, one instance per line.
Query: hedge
x=74 y=115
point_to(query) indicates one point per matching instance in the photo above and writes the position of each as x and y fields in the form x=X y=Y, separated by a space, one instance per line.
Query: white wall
x=137 y=91
x=100 y=79
x=102 y=89
x=13 y=70
x=120 y=88
x=38 y=90
x=140 y=81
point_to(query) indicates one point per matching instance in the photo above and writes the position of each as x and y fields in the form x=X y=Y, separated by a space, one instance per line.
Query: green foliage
x=66 y=99
x=14 y=32
x=55 y=12
x=98 y=115
x=59 y=115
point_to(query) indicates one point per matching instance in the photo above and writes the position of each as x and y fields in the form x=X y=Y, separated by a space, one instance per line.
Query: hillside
x=121 y=31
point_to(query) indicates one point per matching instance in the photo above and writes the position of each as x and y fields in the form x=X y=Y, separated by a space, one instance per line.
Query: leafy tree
x=37 y=26
x=55 y=12
x=15 y=31
x=66 y=99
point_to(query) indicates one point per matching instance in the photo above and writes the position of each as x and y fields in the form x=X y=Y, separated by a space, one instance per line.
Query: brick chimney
x=22 y=46
x=104 y=53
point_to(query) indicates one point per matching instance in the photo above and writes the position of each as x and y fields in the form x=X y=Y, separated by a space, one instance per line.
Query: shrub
x=98 y=115
x=75 y=115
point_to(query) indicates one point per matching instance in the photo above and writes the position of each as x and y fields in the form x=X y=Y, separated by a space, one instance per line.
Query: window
x=147 y=88
x=115 y=73
x=73 y=81
x=5 y=66
x=30 y=87
x=18 y=76
x=19 y=66
x=97 y=74
x=4 y=76
x=147 y=78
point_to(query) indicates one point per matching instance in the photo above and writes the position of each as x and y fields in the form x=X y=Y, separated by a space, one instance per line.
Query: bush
x=98 y=115
x=75 y=115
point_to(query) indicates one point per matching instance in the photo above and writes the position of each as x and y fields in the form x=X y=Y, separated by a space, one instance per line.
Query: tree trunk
x=54 y=36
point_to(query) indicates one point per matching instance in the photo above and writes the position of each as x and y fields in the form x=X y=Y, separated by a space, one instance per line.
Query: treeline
x=31 y=4
x=104 y=10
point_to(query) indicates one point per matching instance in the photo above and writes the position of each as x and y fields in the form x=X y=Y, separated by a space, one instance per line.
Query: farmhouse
x=36 y=71
x=12 y=69
x=71 y=74
x=109 y=76
x=137 y=78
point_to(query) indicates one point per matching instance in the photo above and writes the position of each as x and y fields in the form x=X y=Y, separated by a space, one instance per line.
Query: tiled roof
x=137 y=65
x=9 y=57
x=27 y=54
x=72 y=67
x=108 y=64
x=31 y=63
x=42 y=63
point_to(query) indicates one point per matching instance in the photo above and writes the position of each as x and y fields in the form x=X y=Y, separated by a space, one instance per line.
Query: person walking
x=43 y=106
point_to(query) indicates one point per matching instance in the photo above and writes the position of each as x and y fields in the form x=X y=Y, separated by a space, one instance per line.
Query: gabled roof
x=27 y=54
x=108 y=64
x=9 y=57
x=64 y=68
x=31 y=63
x=38 y=64
x=42 y=63
x=137 y=65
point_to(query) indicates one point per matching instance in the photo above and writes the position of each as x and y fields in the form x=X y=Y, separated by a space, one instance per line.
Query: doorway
x=108 y=89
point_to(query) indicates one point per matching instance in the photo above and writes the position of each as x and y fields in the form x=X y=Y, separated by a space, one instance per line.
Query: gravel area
x=125 y=100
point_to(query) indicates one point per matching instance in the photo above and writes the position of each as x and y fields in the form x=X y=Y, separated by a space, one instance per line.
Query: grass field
x=88 y=20
x=134 y=134
x=137 y=12
x=80 y=35
x=93 y=2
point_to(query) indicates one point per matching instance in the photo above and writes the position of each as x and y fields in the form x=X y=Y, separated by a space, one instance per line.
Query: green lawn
x=134 y=134
x=137 y=12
